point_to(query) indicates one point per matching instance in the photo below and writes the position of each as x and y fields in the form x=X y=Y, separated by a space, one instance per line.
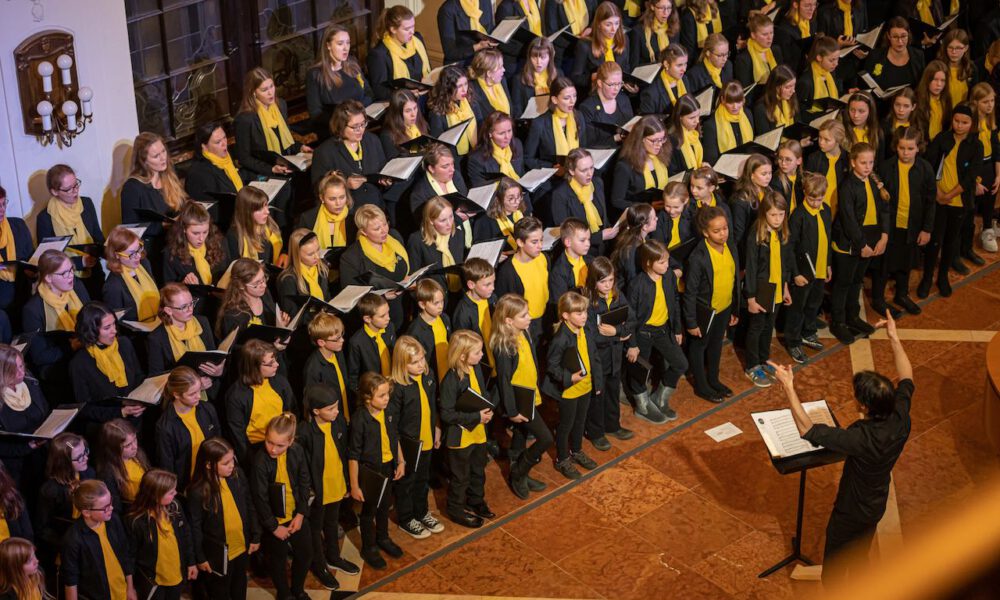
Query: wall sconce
x=51 y=112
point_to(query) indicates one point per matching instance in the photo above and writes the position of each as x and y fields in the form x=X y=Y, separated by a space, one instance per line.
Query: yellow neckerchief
x=440 y=346
x=723 y=271
x=109 y=361
x=956 y=5
x=609 y=50
x=897 y=124
x=903 y=209
x=334 y=484
x=924 y=11
x=506 y=225
x=585 y=194
x=792 y=200
x=533 y=15
x=691 y=149
x=201 y=266
x=541 y=83
x=503 y=157
x=936 y=117
x=400 y=52
x=762 y=59
x=448 y=188
x=388 y=256
x=831 y=181
x=412 y=132
x=845 y=8
x=497 y=97
x=461 y=113
x=270 y=118
x=526 y=373
x=142 y=287
x=381 y=347
x=358 y=155
x=227 y=165
x=333 y=360
x=274 y=237
x=321 y=227
x=701 y=23
x=168 y=555
x=384 y=444
x=585 y=385
x=669 y=83
x=824 y=85
x=311 y=277
x=783 y=114
x=871 y=214
x=675 y=233
x=9 y=247
x=579 y=267
x=949 y=175
x=724 y=121
x=823 y=245
x=185 y=340
x=232 y=521
x=957 y=86
x=60 y=309
x=441 y=244
x=711 y=202
x=715 y=73
x=472 y=10
x=18 y=398
x=657 y=176
x=632 y=9
x=986 y=137
x=661 y=312
x=117 y=584
x=577 y=15
x=67 y=219
x=805 y=27
x=774 y=247
x=660 y=30
x=281 y=477
x=190 y=422
x=426 y=434
x=566 y=139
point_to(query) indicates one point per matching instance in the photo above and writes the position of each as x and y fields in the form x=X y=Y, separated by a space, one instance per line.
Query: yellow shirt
x=585 y=385
x=478 y=433
x=232 y=521
x=265 y=405
x=333 y=360
x=579 y=266
x=334 y=485
x=117 y=583
x=440 y=346
x=383 y=349
x=526 y=373
x=426 y=436
x=4 y=528
x=168 y=556
x=534 y=276
x=133 y=475
x=723 y=277
x=384 y=433
x=190 y=421
x=485 y=323
x=660 y=313
x=281 y=476
x=903 y=212
x=949 y=176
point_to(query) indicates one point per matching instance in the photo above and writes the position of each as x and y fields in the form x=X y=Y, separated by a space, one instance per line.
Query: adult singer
x=872 y=446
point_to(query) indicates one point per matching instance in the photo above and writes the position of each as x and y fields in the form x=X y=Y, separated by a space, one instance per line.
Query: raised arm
x=903 y=367
x=786 y=377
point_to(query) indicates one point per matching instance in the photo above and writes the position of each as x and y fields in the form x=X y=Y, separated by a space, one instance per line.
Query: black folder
x=524 y=400
x=217 y=555
x=800 y=131
x=152 y=216
x=266 y=333
x=372 y=484
x=573 y=362
x=683 y=250
x=472 y=401
x=640 y=370
x=196 y=359
x=405 y=83
x=765 y=295
x=411 y=451
x=613 y=317
x=705 y=317
x=276 y=500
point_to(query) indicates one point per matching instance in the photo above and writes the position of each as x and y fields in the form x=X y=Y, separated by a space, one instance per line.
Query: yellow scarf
x=577 y=15
x=472 y=10
x=109 y=361
x=936 y=117
x=609 y=50
x=632 y=8
x=447 y=260
x=691 y=149
x=358 y=155
x=449 y=188
x=412 y=132
x=724 y=121
x=956 y=5
x=903 y=208
x=783 y=114
x=805 y=28
x=567 y=139
x=792 y=200
x=533 y=15
x=198 y=255
x=957 y=87
x=775 y=266
x=60 y=309
x=497 y=97
x=117 y=584
x=823 y=84
x=145 y=294
x=831 y=182
x=400 y=52
x=585 y=194
x=762 y=59
x=579 y=267
x=871 y=216
x=657 y=176
x=823 y=246
x=660 y=30
x=186 y=340
x=270 y=118
x=324 y=221
x=668 y=84
x=714 y=72
x=924 y=10
x=986 y=137
x=7 y=243
x=227 y=165
x=701 y=22
x=541 y=83
x=388 y=256
x=845 y=7
x=311 y=276
x=989 y=64
x=274 y=237
x=506 y=225
x=67 y=219
x=463 y=112
x=503 y=157
x=380 y=345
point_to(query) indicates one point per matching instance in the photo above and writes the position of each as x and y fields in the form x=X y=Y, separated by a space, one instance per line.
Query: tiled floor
x=677 y=515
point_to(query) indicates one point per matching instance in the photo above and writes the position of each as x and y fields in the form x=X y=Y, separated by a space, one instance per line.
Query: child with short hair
x=569 y=270
x=161 y=538
x=527 y=272
x=369 y=347
x=573 y=388
x=326 y=365
x=473 y=309
x=96 y=559
x=809 y=239
x=431 y=327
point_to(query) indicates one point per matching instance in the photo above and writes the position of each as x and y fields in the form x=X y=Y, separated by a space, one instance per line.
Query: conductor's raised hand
x=783 y=373
x=890 y=326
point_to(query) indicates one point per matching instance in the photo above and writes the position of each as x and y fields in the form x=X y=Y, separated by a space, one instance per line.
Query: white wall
x=100 y=155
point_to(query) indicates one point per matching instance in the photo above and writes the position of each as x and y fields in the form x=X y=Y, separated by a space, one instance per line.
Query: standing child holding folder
x=161 y=539
x=809 y=239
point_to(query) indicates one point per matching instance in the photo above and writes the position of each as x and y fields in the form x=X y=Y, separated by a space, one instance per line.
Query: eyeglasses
x=334 y=340
x=257 y=284
x=900 y=37
x=82 y=457
x=64 y=274
x=72 y=188
x=358 y=127
x=135 y=253
x=184 y=307
x=269 y=363
x=656 y=141
x=720 y=55
x=104 y=509
x=617 y=84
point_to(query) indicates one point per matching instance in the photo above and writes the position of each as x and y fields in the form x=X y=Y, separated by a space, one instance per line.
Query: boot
x=519 y=478
x=661 y=399
x=647 y=411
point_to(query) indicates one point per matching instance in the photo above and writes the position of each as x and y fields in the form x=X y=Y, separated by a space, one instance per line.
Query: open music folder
x=781 y=436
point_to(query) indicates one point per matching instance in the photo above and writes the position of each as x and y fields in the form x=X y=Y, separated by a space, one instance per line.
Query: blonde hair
x=299 y=238
x=15 y=552
x=324 y=325
x=432 y=210
x=367 y=213
x=571 y=302
x=88 y=493
x=814 y=185
x=460 y=345
x=503 y=336
x=406 y=349
x=979 y=92
x=283 y=424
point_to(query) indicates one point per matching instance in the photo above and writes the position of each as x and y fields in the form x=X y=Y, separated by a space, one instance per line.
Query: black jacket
x=423 y=332
x=593 y=111
x=136 y=195
x=319 y=371
x=805 y=89
x=508 y=281
x=689 y=31
x=628 y=186
x=710 y=137
x=82 y=563
x=699 y=283
x=262 y=474
x=250 y=149
x=48 y=351
x=758 y=264
x=641 y=296
x=321 y=99
x=585 y=64
x=173 y=441
x=310 y=439
x=52 y=514
x=482 y=168
x=91 y=386
x=466 y=314
x=117 y=296
x=743 y=65
x=848 y=233
x=452 y=419
x=817 y=162
x=208 y=525
x=638 y=52
x=699 y=79
x=565 y=204
x=239 y=407
x=332 y=155
x=241 y=320
x=451 y=21
x=506 y=365
x=422 y=191
x=558 y=378
x=144 y=535
x=380 y=69
x=763 y=121
x=970 y=155
x=803 y=237
x=561 y=279
x=540 y=149
x=266 y=255
x=289 y=295
x=365 y=441
x=422 y=254
x=204 y=179
x=175 y=271
x=554 y=18
x=654 y=100
x=830 y=20
x=923 y=194
x=45 y=229
x=161 y=356
x=481 y=106
x=405 y=402
x=362 y=354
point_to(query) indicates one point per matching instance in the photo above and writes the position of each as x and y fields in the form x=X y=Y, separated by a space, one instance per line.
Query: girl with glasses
x=181 y=331
x=605 y=111
x=643 y=164
x=895 y=62
x=68 y=463
x=69 y=213
x=130 y=286
x=509 y=205
x=581 y=195
x=353 y=151
x=327 y=364
x=97 y=558
x=713 y=66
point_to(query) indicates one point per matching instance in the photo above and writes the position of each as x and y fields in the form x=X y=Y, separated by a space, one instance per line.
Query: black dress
x=594 y=113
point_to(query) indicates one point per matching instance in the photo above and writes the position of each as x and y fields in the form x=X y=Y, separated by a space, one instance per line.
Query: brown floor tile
x=561 y=526
x=978 y=309
x=628 y=491
x=919 y=353
x=735 y=567
x=424 y=580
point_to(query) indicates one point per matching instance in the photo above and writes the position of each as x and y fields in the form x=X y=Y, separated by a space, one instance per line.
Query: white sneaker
x=989 y=240
x=414 y=529
x=431 y=524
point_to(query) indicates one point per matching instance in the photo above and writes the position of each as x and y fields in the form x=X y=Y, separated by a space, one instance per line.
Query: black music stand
x=800 y=463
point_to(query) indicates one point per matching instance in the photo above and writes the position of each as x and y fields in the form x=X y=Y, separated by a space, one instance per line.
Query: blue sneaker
x=758 y=377
x=770 y=372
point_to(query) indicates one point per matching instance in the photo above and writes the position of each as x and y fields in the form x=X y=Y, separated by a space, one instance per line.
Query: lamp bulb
x=64 y=61
x=69 y=108
x=45 y=68
x=44 y=108
x=86 y=94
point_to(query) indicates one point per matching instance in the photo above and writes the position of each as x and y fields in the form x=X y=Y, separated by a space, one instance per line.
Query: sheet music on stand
x=780 y=434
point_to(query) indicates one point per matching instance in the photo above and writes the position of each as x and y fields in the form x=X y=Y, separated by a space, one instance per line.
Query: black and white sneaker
x=414 y=529
x=343 y=565
x=797 y=354
x=813 y=342
x=431 y=524
x=325 y=579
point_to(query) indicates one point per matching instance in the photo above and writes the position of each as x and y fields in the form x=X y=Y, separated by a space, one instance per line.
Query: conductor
x=872 y=445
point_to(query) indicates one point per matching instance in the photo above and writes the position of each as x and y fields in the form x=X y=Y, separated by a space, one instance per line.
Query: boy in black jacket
x=809 y=237
x=369 y=349
x=326 y=366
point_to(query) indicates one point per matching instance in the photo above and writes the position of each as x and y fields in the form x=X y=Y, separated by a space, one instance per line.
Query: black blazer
x=482 y=168
x=319 y=371
x=877 y=61
x=136 y=195
x=558 y=378
x=763 y=121
x=803 y=237
x=743 y=65
x=817 y=162
x=610 y=347
x=466 y=314
x=788 y=36
x=161 y=356
x=204 y=179
x=593 y=112
x=354 y=264
x=423 y=332
x=641 y=296
x=208 y=525
x=144 y=535
x=970 y=155
x=308 y=220
x=310 y=439
x=561 y=279
x=365 y=442
x=830 y=20
x=664 y=232
x=250 y=149
x=173 y=441
x=91 y=386
x=585 y=64
x=540 y=149
x=710 y=137
x=262 y=474
x=321 y=99
x=788 y=190
x=82 y=564
x=744 y=210
x=405 y=403
x=21 y=526
x=288 y=292
x=52 y=514
x=565 y=204
x=638 y=51
x=654 y=100
x=266 y=255
x=758 y=264
x=554 y=18
x=241 y=320
x=451 y=21
x=239 y=406
x=848 y=233
x=422 y=191
x=117 y=296
x=175 y=271
x=47 y=351
x=452 y=419
x=506 y=365
x=805 y=89
x=15 y=450
x=362 y=354
x=698 y=78
x=380 y=72
x=627 y=185
x=923 y=195
x=481 y=106
x=699 y=283
x=521 y=94
x=689 y=30
x=45 y=229
x=332 y=155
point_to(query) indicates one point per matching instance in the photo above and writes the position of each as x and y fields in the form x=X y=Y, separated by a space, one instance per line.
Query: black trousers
x=468 y=477
x=276 y=552
x=604 y=414
x=801 y=315
x=412 y=489
x=232 y=586
x=705 y=352
x=671 y=358
x=572 y=420
x=374 y=520
x=163 y=592
x=842 y=532
x=984 y=208
x=945 y=241
x=848 y=275
x=323 y=519
x=543 y=438
x=760 y=330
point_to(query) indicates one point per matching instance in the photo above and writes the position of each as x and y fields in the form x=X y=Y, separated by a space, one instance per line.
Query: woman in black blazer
x=402 y=123
x=606 y=111
x=514 y=55
x=487 y=86
x=778 y=106
x=168 y=343
x=196 y=252
x=730 y=111
x=184 y=412
x=68 y=213
x=543 y=150
x=569 y=197
x=534 y=76
x=574 y=14
x=762 y=36
x=24 y=410
x=712 y=66
x=438 y=228
x=130 y=285
x=659 y=26
x=453 y=20
x=895 y=62
x=606 y=36
x=496 y=139
x=658 y=97
x=643 y=164
x=795 y=28
x=352 y=151
x=334 y=79
x=440 y=178
x=212 y=172
x=398 y=53
x=699 y=19
x=450 y=105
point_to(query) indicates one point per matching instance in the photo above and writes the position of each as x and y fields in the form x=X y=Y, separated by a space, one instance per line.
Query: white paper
x=869 y=38
x=59 y=244
x=815 y=123
x=348 y=298
x=205 y=205
x=678 y=177
x=536 y=107
x=647 y=73
x=432 y=77
x=376 y=109
x=150 y=391
x=482 y=196
x=451 y=136
x=947 y=22
x=552 y=38
x=271 y=187
x=771 y=139
x=56 y=422
x=402 y=167
x=302 y=160
x=847 y=50
x=781 y=435
x=704 y=100
x=139 y=229
x=730 y=165
x=601 y=156
x=413 y=277
x=631 y=123
x=536 y=177
x=488 y=251
x=723 y=432
x=549 y=238
x=505 y=29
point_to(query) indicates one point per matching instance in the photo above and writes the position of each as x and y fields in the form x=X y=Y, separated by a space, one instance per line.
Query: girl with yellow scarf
x=130 y=286
x=818 y=81
x=261 y=128
x=180 y=332
x=438 y=241
x=658 y=97
x=581 y=196
x=779 y=106
x=729 y=126
x=700 y=19
x=399 y=53
x=69 y=213
x=196 y=254
x=538 y=72
x=449 y=105
x=307 y=274
x=254 y=234
x=685 y=136
x=13 y=246
x=457 y=16
x=377 y=251
x=755 y=63
x=330 y=220
x=558 y=131
x=488 y=88
x=606 y=43
x=658 y=26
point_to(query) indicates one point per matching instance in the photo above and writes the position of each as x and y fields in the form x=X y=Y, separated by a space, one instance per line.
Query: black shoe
x=519 y=485
x=325 y=579
x=492 y=449
x=819 y=323
x=601 y=444
x=861 y=325
x=879 y=308
x=974 y=258
x=842 y=333
x=908 y=305
x=724 y=390
x=712 y=396
x=373 y=559
x=944 y=287
x=959 y=267
x=924 y=288
x=342 y=565
x=389 y=547
x=466 y=520
x=482 y=511
x=812 y=341
x=535 y=485
x=797 y=354
x=583 y=460
x=567 y=469
x=622 y=434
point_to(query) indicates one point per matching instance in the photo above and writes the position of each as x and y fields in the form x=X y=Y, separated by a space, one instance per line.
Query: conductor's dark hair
x=88 y=322
x=875 y=392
